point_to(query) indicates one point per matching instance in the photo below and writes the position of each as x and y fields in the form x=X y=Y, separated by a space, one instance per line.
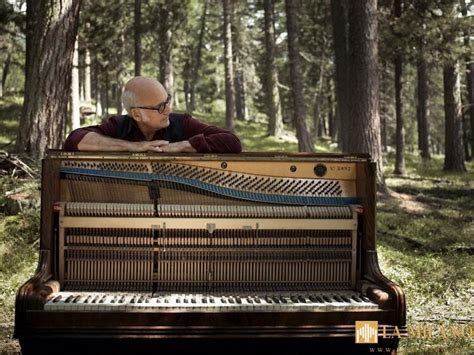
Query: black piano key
x=338 y=298
x=141 y=299
x=88 y=299
x=302 y=299
x=231 y=300
x=283 y=300
x=268 y=300
x=238 y=300
x=365 y=299
x=204 y=300
x=258 y=300
x=211 y=300
x=294 y=299
x=77 y=299
x=57 y=299
x=96 y=299
x=102 y=300
x=178 y=300
x=185 y=300
x=249 y=300
x=276 y=300
x=122 y=299
x=346 y=299
x=356 y=298
x=223 y=300
x=327 y=299
x=319 y=299
x=133 y=300
x=193 y=300
x=69 y=299
x=314 y=299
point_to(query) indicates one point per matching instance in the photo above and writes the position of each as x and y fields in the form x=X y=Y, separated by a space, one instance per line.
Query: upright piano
x=266 y=252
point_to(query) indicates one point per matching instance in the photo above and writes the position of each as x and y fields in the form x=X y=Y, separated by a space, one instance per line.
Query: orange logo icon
x=366 y=332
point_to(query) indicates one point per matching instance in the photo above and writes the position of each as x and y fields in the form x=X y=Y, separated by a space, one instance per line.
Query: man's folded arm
x=210 y=139
x=94 y=139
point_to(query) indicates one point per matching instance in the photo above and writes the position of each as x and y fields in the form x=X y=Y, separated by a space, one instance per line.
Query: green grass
x=425 y=236
x=10 y=112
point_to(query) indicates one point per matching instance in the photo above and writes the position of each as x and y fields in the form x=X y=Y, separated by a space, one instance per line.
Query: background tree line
x=393 y=76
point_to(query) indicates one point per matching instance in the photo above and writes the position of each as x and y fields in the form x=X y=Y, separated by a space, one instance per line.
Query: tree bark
x=331 y=116
x=75 y=100
x=87 y=76
x=305 y=143
x=238 y=43
x=469 y=79
x=166 y=46
x=454 y=150
x=196 y=63
x=138 y=40
x=51 y=30
x=364 y=84
x=422 y=108
x=340 y=25
x=272 y=94
x=400 y=130
x=229 y=70
x=5 y=72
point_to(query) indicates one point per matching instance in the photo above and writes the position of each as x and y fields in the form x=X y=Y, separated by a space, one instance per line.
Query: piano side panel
x=367 y=190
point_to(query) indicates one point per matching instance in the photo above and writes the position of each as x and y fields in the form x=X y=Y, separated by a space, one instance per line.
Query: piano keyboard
x=282 y=302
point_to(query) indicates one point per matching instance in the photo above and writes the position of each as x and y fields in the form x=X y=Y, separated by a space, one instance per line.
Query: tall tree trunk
x=272 y=94
x=364 y=84
x=318 y=99
x=98 y=88
x=331 y=116
x=138 y=40
x=340 y=25
x=87 y=76
x=166 y=47
x=305 y=143
x=229 y=70
x=469 y=78
x=5 y=72
x=196 y=63
x=422 y=108
x=239 y=85
x=400 y=129
x=75 y=100
x=454 y=150
x=51 y=30
x=238 y=41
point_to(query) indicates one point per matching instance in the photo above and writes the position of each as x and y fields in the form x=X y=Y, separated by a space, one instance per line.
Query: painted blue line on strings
x=220 y=190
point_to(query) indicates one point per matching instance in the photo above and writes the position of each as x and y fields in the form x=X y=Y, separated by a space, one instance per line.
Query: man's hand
x=148 y=146
x=178 y=147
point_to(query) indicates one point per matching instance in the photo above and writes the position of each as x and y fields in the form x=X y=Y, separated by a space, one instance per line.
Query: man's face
x=152 y=119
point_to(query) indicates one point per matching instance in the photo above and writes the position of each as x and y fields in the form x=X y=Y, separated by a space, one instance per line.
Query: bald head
x=141 y=91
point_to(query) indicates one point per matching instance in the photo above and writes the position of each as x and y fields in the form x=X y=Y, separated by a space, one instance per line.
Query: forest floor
x=425 y=240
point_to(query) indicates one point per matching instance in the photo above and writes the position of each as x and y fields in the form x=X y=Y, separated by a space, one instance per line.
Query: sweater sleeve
x=107 y=128
x=209 y=139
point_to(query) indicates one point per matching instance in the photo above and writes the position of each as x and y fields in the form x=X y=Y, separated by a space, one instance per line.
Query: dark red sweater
x=204 y=138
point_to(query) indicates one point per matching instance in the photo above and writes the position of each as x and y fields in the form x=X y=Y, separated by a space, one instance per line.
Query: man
x=151 y=126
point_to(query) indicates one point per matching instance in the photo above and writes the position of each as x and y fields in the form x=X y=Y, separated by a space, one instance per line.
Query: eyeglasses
x=160 y=107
